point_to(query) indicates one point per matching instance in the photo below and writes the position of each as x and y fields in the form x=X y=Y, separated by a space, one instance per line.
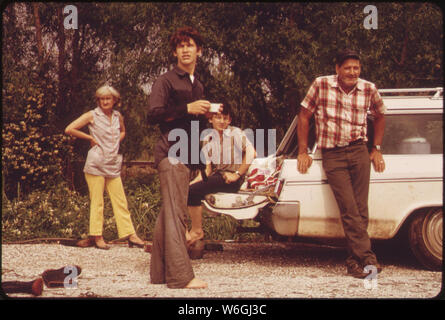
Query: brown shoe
x=55 y=278
x=196 y=250
x=100 y=243
x=356 y=271
x=132 y=244
x=34 y=287
x=85 y=243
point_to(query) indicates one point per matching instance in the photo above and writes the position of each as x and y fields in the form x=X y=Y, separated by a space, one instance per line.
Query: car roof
x=413 y=100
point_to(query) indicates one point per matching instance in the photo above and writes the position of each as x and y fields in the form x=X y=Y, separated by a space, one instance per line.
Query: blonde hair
x=106 y=90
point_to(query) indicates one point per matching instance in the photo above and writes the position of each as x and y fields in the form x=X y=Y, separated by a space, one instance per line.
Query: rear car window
x=413 y=134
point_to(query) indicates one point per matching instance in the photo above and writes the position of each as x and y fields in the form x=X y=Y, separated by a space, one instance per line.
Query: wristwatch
x=237 y=172
x=377 y=147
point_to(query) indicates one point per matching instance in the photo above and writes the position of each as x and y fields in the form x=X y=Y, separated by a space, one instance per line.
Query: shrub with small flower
x=59 y=212
x=34 y=154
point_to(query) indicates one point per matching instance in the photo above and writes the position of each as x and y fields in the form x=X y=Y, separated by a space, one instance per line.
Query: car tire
x=425 y=238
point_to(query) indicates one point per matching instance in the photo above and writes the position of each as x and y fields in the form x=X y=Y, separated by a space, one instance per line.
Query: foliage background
x=261 y=57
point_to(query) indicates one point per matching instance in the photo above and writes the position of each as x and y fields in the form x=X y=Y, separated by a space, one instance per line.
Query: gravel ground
x=240 y=270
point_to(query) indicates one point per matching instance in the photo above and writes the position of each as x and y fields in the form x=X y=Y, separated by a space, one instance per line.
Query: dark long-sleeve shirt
x=169 y=97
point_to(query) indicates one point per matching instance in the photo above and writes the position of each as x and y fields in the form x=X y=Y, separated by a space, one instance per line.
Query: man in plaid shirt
x=340 y=104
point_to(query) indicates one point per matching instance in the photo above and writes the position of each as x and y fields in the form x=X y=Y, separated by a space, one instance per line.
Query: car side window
x=413 y=134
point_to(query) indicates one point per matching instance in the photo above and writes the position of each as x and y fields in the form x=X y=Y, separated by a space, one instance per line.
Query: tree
x=262 y=57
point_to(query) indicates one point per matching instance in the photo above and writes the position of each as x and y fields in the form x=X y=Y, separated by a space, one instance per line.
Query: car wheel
x=425 y=238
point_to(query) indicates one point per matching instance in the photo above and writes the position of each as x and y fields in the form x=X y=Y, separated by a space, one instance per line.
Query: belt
x=353 y=143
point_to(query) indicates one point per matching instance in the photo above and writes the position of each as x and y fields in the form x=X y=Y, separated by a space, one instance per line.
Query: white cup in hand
x=214 y=107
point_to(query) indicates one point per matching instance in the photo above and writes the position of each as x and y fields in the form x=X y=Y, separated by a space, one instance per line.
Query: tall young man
x=340 y=104
x=177 y=99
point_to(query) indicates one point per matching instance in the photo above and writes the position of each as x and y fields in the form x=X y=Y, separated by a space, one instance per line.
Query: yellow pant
x=115 y=190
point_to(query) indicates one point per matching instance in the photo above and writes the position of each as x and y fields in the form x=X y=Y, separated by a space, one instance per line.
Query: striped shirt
x=341 y=117
x=103 y=159
x=225 y=154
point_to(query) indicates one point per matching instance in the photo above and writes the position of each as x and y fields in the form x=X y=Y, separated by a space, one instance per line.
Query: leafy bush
x=33 y=153
x=57 y=212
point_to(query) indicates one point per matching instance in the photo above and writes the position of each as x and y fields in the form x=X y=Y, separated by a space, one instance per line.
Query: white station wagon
x=408 y=195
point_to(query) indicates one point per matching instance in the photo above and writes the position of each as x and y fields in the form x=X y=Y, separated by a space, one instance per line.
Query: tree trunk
x=35 y=7
x=76 y=57
x=61 y=104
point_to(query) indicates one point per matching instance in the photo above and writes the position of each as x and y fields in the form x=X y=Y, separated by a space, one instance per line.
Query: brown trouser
x=170 y=262
x=348 y=172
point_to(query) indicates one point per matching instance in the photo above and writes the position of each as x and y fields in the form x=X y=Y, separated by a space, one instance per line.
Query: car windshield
x=413 y=134
x=289 y=144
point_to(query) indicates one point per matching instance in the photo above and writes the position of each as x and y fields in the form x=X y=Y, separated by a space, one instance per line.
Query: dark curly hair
x=227 y=108
x=185 y=34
